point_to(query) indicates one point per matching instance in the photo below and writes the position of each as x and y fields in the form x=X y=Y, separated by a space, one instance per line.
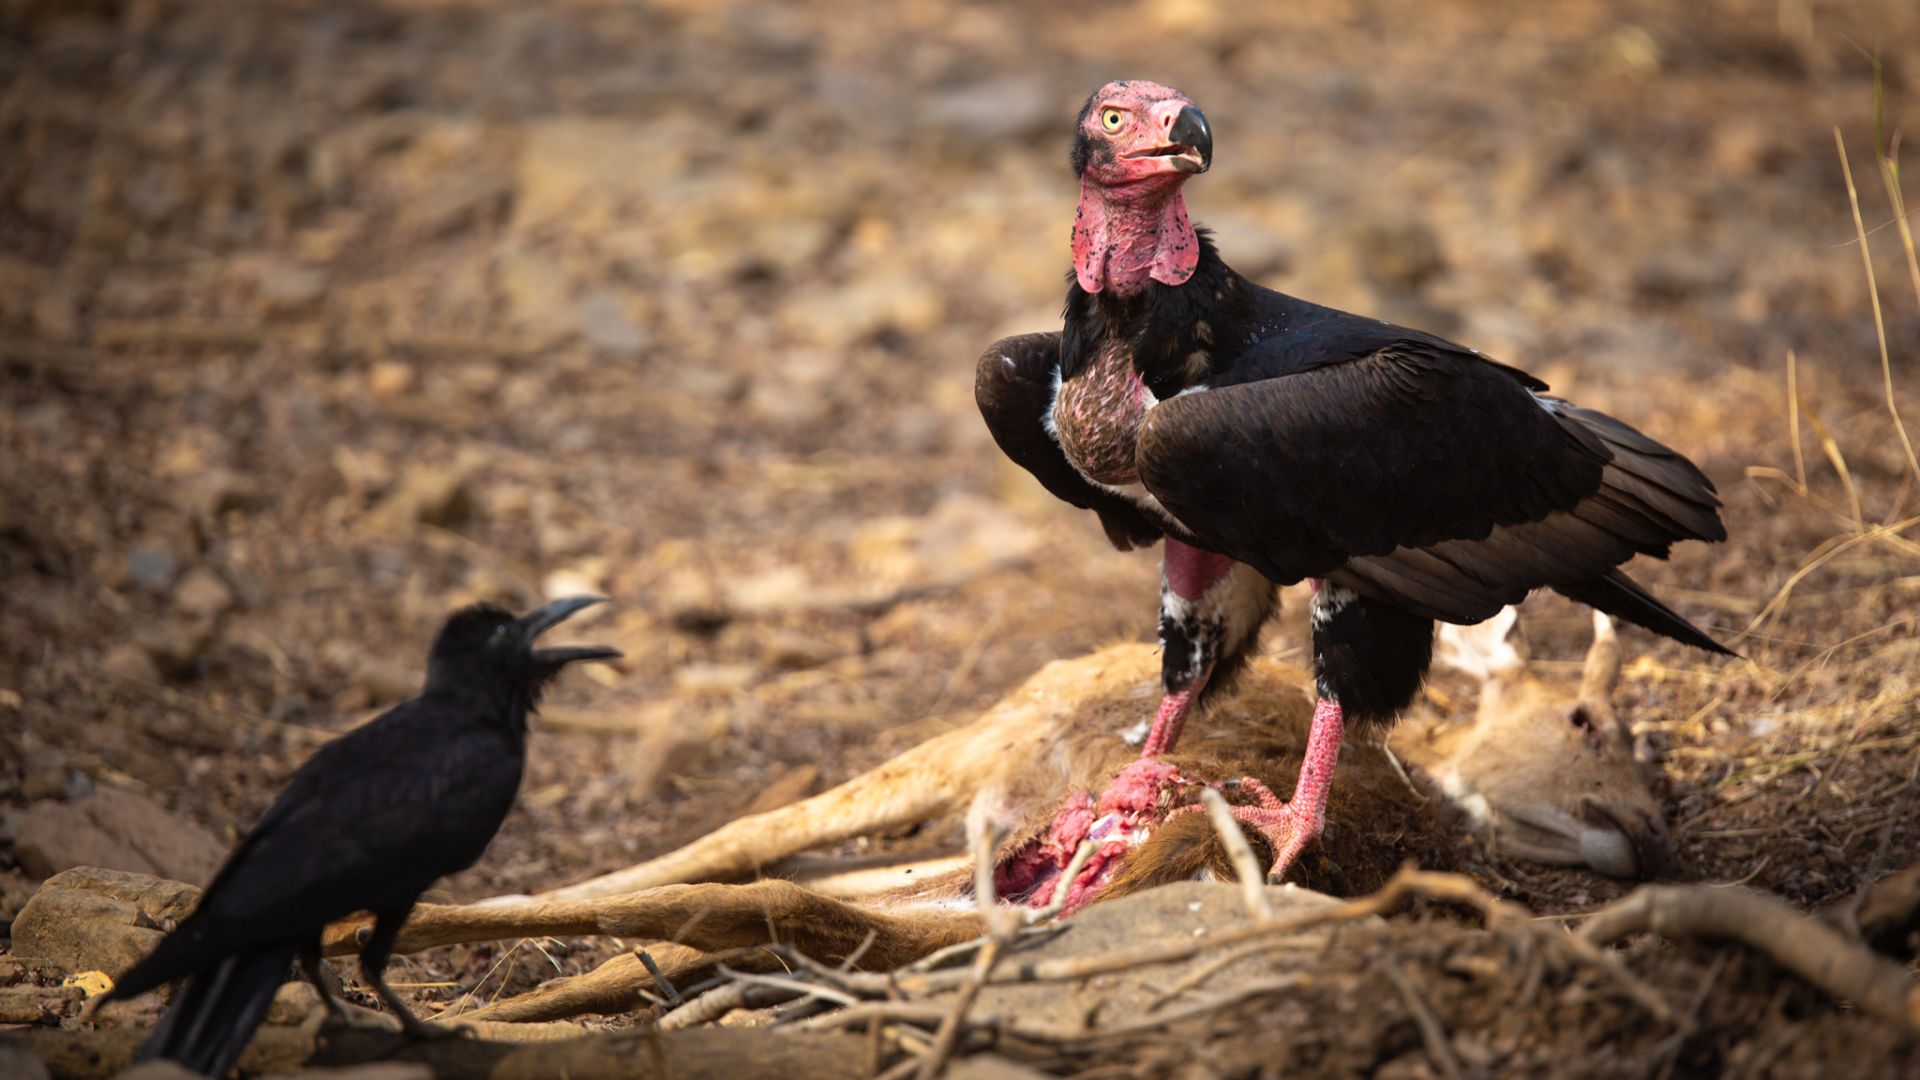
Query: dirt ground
x=320 y=319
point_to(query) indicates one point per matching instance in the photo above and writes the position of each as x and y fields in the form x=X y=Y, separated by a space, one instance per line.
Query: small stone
x=998 y=109
x=90 y=919
x=379 y=678
x=534 y=286
x=385 y=681
x=573 y=581
x=293 y=1002
x=469 y=198
x=176 y=645
x=90 y=983
x=389 y=379
x=116 y=829
x=153 y=568
x=608 y=328
x=202 y=594
x=427 y=494
x=56 y=314
x=790 y=650
x=714 y=678
x=290 y=290
x=1403 y=256
x=1677 y=277
x=784 y=588
x=130 y=662
x=212 y=492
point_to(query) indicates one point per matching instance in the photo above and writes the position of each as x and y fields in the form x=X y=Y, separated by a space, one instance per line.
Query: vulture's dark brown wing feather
x=1014 y=387
x=1428 y=478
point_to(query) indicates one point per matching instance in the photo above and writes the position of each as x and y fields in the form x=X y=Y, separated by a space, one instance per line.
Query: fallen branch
x=1806 y=946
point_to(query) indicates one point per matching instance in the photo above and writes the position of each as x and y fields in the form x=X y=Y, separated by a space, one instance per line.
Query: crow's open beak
x=541 y=619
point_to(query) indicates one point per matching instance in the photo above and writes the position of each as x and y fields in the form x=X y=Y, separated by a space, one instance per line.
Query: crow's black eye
x=499 y=635
x=1110 y=118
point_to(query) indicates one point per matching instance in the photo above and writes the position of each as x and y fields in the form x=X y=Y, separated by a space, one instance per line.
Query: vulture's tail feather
x=1620 y=596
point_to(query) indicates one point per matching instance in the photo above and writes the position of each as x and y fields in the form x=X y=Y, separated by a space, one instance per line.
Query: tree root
x=1804 y=945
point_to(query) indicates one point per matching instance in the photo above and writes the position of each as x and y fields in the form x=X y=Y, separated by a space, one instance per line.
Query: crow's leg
x=316 y=972
x=373 y=965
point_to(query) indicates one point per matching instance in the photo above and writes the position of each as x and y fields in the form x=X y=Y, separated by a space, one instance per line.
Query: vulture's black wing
x=1429 y=478
x=1014 y=385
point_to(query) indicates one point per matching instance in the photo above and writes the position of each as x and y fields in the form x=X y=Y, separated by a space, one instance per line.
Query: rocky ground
x=318 y=320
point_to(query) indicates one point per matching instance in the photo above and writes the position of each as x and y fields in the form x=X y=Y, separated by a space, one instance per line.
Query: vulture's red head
x=1133 y=132
x=1135 y=144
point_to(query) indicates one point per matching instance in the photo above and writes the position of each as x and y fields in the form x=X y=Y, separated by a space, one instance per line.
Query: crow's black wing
x=370 y=820
x=1014 y=385
x=1420 y=475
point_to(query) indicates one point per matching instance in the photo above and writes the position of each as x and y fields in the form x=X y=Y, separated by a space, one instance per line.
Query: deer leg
x=935 y=777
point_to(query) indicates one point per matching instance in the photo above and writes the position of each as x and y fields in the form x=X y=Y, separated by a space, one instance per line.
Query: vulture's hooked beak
x=1189 y=143
x=541 y=619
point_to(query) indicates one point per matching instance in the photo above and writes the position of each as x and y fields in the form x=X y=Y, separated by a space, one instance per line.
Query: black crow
x=367 y=824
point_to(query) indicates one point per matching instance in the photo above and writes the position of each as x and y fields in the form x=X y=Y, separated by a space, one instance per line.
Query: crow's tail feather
x=215 y=1012
x=1620 y=596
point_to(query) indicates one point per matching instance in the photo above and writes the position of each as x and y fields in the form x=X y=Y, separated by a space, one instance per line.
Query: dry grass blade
x=1821 y=557
x=1793 y=422
x=1831 y=447
x=1873 y=295
x=1890 y=176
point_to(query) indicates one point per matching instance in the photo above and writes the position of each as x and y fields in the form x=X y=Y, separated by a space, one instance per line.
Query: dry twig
x=1439 y=1048
x=1253 y=880
x=1000 y=932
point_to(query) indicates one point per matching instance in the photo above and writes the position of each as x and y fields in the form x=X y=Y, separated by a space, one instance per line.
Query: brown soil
x=320 y=319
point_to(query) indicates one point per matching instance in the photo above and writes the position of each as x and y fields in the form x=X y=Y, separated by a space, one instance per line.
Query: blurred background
x=320 y=319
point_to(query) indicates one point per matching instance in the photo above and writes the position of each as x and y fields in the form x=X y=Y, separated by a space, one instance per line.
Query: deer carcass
x=1545 y=772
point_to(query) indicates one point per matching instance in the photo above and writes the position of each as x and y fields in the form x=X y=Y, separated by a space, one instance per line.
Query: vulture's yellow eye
x=1110 y=118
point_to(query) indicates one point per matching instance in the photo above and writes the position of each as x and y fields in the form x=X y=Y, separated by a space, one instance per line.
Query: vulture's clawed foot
x=1287 y=827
